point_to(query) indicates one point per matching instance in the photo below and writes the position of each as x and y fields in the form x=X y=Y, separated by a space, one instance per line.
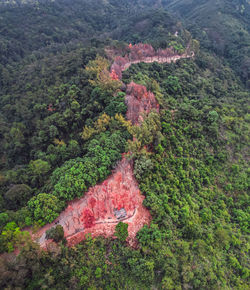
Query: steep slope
x=63 y=132
x=118 y=198
x=220 y=25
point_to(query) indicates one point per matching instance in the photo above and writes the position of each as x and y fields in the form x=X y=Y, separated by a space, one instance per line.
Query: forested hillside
x=221 y=26
x=105 y=104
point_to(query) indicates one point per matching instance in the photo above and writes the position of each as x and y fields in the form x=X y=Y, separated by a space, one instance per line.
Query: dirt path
x=158 y=59
x=121 y=64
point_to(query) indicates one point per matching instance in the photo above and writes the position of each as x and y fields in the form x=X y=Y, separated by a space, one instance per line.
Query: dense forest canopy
x=64 y=128
x=221 y=26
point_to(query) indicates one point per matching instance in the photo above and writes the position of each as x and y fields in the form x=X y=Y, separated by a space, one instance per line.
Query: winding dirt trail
x=118 y=198
x=158 y=59
x=144 y=53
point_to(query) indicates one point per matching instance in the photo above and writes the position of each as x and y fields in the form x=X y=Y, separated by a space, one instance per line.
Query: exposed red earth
x=118 y=198
x=139 y=101
x=143 y=53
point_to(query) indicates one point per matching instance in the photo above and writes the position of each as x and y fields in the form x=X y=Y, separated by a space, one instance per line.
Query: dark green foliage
x=172 y=85
x=194 y=175
x=121 y=231
x=77 y=175
x=222 y=26
x=116 y=105
x=196 y=196
x=56 y=233
x=38 y=168
x=99 y=263
x=17 y=196
x=4 y=218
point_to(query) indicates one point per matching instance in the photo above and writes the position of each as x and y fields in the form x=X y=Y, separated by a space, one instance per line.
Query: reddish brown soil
x=118 y=198
x=95 y=212
x=139 y=101
x=143 y=53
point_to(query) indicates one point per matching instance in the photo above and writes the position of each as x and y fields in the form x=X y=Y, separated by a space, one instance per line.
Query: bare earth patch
x=116 y=199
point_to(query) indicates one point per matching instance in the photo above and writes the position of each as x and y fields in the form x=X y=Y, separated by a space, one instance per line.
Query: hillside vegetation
x=63 y=129
x=221 y=26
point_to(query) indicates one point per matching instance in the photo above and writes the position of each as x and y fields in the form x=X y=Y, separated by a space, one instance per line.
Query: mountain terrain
x=124 y=144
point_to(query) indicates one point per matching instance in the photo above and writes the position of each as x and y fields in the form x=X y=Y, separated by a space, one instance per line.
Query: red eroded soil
x=116 y=199
x=143 y=53
x=139 y=101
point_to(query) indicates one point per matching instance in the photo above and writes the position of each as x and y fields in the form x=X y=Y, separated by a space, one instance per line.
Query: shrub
x=121 y=231
x=45 y=208
x=55 y=233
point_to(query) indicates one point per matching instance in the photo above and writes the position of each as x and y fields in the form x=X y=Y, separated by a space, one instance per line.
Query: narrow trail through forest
x=158 y=59
x=118 y=198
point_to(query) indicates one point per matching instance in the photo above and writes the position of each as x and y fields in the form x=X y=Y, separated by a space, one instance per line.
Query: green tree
x=11 y=236
x=55 y=233
x=213 y=116
x=45 y=208
x=4 y=218
x=121 y=231
x=39 y=168
x=17 y=196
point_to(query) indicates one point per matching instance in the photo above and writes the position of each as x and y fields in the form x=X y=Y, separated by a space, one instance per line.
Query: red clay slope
x=139 y=101
x=116 y=199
